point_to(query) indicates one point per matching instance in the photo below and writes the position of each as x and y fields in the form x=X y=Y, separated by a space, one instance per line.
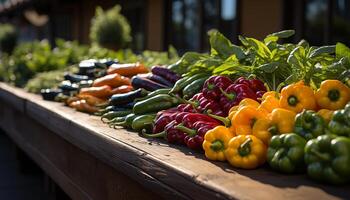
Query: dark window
x=135 y=13
x=190 y=20
x=315 y=23
x=320 y=22
x=341 y=22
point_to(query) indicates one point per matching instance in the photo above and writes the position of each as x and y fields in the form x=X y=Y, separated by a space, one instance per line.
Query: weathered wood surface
x=166 y=170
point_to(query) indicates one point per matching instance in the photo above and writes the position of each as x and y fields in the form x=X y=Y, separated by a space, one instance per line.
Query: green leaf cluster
x=110 y=29
x=275 y=63
x=8 y=38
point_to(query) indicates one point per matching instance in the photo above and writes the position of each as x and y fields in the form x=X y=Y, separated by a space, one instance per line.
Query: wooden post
x=154 y=25
x=259 y=18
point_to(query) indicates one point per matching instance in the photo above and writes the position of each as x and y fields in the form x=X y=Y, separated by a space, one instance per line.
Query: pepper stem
x=244 y=148
x=224 y=120
x=230 y=96
x=273 y=130
x=333 y=95
x=322 y=156
x=217 y=145
x=188 y=131
x=155 y=135
x=292 y=100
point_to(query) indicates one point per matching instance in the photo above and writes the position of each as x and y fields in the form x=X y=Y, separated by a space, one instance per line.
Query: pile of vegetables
x=287 y=105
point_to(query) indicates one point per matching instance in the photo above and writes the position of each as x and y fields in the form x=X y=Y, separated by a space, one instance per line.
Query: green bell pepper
x=328 y=159
x=340 y=122
x=309 y=124
x=286 y=153
x=143 y=122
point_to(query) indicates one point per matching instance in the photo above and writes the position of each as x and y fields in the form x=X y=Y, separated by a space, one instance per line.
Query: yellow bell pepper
x=326 y=114
x=270 y=101
x=244 y=102
x=245 y=118
x=234 y=109
x=215 y=143
x=246 y=151
x=297 y=97
x=279 y=121
x=332 y=95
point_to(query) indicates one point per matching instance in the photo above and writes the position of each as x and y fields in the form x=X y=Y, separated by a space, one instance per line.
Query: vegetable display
x=264 y=102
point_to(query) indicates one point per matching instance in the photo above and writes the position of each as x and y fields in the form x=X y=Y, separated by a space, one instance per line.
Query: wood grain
x=167 y=170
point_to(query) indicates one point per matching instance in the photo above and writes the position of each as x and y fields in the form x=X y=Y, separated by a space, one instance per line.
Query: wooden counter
x=89 y=160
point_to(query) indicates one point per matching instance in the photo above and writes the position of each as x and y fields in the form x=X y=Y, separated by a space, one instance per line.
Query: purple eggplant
x=140 y=82
x=160 y=80
x=165 y=73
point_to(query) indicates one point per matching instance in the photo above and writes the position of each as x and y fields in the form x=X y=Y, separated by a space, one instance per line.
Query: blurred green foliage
x=110 y=29
x=8 y=38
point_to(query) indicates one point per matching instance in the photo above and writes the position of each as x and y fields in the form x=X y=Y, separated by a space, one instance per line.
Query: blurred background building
x=183 y=23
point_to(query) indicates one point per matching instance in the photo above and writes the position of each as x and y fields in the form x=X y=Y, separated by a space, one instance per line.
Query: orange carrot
x=83 y=106
x=122 y=89
x=129 y=69
x=113 y=80
x=102 y=92
x=91 y=100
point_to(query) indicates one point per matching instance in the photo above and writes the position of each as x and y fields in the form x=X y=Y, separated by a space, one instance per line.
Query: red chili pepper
x=203 y=104
x=257 y=85
x=163 y=118
x=170 y=133
x=254 y=84
x=195 y=135
x=191 y=118
x=212 y=86
x=234 y=94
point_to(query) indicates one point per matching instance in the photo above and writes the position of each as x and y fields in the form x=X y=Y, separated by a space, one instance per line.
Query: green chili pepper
x=155 y=104
x=143 y=122
x=116 y=120
x=154 y=93
x=113 y=114
x=127 y=122
x=180 y=84
x=328 y=159
x=286 y=152
x=309 y=124
x=194 y=87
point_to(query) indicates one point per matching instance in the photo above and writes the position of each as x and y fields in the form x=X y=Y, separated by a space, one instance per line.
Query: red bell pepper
x=233 y=95
x=170 y=133
x=202 y=104
x=212 y=86
x=195 y=133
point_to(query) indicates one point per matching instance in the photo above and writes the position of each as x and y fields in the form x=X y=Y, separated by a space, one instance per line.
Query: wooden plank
x=11 y=96
x=81 y=175
x=173 y=166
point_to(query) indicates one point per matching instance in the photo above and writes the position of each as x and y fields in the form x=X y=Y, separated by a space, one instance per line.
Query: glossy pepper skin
x=309 y=124
x=297 y=97
x=245 y=118
x=195 y=133
x=213 y=86
x=326 y=114
x=215 y=143
x=246 y=151
x=270 y=101
x=170 y=133
x=340 y=123
x=286 y=153
x=163 y=118
x=332 y=95
x=256 y=85
x=279 y=121
x=234 y=94
x=202 y=104
x=328 y=159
